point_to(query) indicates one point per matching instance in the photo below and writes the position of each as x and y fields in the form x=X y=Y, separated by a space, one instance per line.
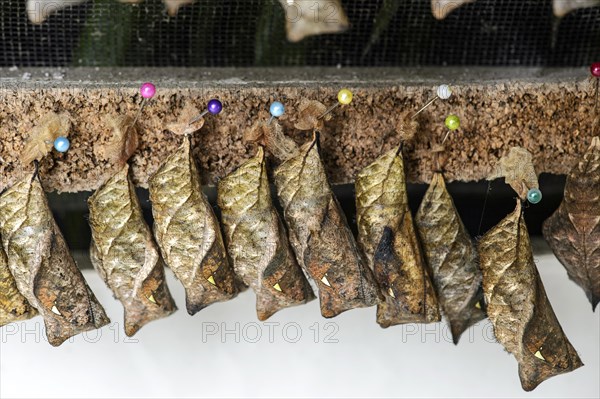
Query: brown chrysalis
x=442 y=8
x=522 y=317
x=257 y=240
x=125 y=254
x=40 y=261
x=313 y=17
x=188 y=232
x=573 y=231
x=452 y=258
x=387 y=237
x=13 y=305
x=320 y=236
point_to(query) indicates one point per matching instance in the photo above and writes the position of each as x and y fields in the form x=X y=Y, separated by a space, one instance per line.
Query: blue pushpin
x=62 y=144
x=534 y=195
x=276 y=109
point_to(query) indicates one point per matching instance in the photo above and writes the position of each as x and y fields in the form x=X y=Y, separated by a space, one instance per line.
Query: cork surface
x=547 y=111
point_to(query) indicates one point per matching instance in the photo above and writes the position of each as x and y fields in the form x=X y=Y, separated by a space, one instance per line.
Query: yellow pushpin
x=344 y=98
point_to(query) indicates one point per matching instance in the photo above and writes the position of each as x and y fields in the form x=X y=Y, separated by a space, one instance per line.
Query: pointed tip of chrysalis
x=595 y=300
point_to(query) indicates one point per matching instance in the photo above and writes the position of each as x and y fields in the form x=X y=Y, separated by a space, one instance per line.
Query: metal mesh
x=228 y=33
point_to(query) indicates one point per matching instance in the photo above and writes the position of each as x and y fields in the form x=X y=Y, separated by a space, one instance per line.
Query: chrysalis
x=442 y=8
x=451 y=255
x=522 y=317
x=387 y=237
x=13 y=305
x=320 y=235
x=313 y=17
x=573 y=231
x=563 y=7
x=124 y=253
x=257 y=240
x=188 y=232
x=40 y=261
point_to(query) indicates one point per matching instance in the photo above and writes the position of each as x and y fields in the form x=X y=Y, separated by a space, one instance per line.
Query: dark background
x=230 y=33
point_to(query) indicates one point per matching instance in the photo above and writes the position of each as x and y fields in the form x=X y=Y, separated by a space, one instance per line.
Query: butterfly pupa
x=123 y=250
x=13 y=305
x=188 y=232
x=257 y=239
x=573 y=231
x=452 y=258
x=387 y=237
x=305 y=18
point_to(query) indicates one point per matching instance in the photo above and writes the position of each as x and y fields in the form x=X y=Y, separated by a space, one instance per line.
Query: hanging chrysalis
x=123 y=250
x=442 y=8
x=13 y=305
x=186 y=228
x=387 y=237
x=313 y=17
x=573 y=231
x=450 y=254
x=257 y=240
x=38 y=257
x=563 y=7
x=517 y=305
x=320 y=235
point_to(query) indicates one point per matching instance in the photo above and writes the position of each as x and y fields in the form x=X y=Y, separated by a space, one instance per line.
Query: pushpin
x=344 y=98
x=214 y=107
x=62 y=144
x=443 y=92
x=534 y=195
x=276 y=110
x=148 y=90
x=452 y=122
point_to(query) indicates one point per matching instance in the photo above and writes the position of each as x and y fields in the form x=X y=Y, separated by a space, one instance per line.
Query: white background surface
x=168 y=358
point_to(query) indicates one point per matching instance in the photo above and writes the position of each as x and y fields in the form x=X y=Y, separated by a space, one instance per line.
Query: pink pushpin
x=148 y=90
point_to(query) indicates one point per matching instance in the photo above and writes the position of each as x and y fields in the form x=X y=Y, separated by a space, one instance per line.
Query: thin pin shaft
x=139 y=113
x=329 y=110
x=446 y=136
x=270 y=120
x=196 y=119
x=596 y=113
x=425 y=107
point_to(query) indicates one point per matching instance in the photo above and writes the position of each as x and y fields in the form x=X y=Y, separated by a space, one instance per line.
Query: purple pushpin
x=214 y=107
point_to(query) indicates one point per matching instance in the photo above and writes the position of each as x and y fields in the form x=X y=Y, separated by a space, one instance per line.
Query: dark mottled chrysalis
x=387 y=237
x=452 y=258
x=43 y=268
x=188 y=232
x=257 y=240
x=573 y=231
x=320 y=236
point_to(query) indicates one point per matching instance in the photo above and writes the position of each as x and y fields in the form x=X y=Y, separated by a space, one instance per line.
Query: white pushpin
x=443 y=92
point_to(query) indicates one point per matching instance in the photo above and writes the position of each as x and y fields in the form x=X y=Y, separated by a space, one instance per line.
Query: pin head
x=62 y=144
x=276 y=109
x=444 y=92
x=452 y=122
x=534 y=195
x=344 y=96
x=595 y=69
x=148 y=90
x=215 y=106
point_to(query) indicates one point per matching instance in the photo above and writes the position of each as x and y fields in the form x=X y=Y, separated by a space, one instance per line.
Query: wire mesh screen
x=228 y=33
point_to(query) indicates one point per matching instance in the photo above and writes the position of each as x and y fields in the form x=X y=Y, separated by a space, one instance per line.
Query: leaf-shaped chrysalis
x=43 y=268
x=257 y=240
x=188 y=232
x=517 y=305
x=387 y=237
x=13 y=305
x=320 y=236
x=573 y=231
x=452 y=258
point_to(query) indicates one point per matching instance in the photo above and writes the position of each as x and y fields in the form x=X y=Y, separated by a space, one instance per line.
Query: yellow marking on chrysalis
x=55 y=310
x=539 y=355
x=325 y=281
x=211 y=280
x=277 y=287
x=478 y=305
x=391 y=292
x=151 y=299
